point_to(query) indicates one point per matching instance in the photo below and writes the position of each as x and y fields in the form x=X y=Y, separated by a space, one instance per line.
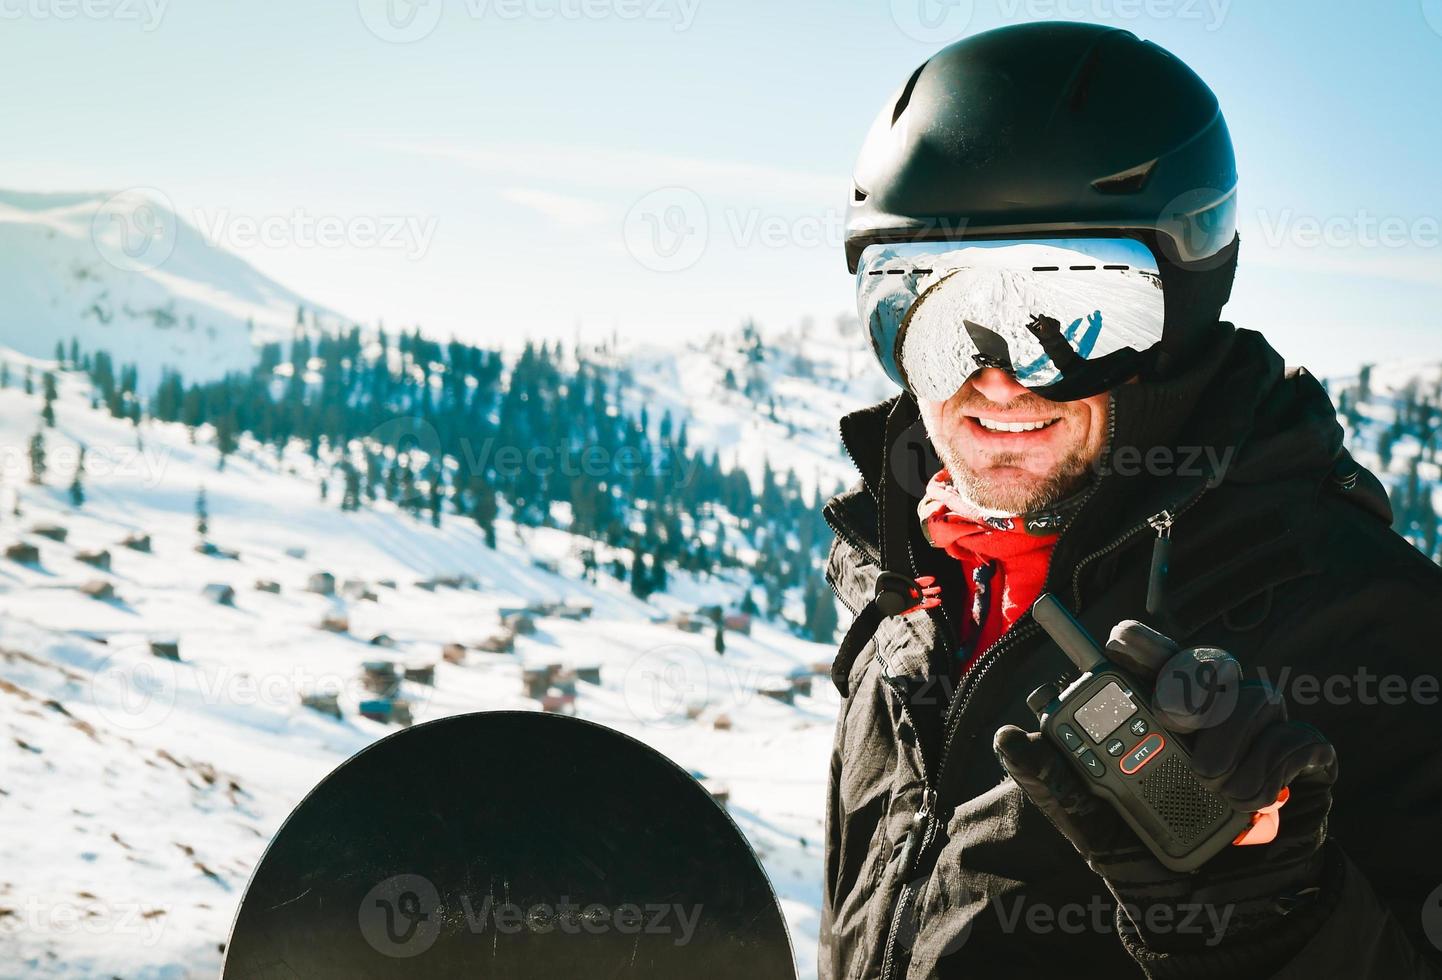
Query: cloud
x=563 y=209
x=631 y=171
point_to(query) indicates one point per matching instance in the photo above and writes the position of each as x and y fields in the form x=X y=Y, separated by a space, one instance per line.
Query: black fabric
x=1324 y=592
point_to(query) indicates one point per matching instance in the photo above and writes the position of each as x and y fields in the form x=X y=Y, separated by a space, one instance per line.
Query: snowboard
x=509 y=844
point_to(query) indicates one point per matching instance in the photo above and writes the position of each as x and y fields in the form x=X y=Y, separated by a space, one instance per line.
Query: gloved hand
x=1244 y=749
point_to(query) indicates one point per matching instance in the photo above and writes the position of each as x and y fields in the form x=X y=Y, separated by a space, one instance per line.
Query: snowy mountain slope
x=785 y=393
x=137 y=793
x=124 y=273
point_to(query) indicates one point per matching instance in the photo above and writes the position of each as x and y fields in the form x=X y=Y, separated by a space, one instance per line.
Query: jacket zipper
x=1162 y=523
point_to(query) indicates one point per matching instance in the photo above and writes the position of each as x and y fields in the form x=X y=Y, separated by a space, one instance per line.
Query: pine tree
x=48 y=412
x=77 y=490
x=225 y=437
x=640 y=580
x=37 y=458
x=350 y=496
x=202 y=514
x=436 y=495
x=821 y=618
x=484 y=508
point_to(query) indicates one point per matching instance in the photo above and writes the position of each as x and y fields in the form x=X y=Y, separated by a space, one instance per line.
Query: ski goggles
x=1067 y=317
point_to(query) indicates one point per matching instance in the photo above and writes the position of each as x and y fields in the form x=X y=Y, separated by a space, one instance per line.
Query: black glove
x=1255 y=901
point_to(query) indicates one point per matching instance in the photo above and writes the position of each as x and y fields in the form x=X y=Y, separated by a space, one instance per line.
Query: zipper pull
x=1161 y=560
x=919 y=820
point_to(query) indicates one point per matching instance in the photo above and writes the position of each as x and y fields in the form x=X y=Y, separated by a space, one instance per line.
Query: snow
x=138 y=793
x=120 y=271
x=997 y=286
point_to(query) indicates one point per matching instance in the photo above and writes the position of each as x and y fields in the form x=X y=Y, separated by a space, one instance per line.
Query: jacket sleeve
x=1348 y=932
x=1366 y=674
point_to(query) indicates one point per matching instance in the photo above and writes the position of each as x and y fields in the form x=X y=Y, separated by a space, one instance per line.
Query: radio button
x=1068 y=736
x=1093 y=763
x=1145 y=751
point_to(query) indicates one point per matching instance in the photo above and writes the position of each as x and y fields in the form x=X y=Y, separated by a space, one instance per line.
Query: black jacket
x=1282 y=555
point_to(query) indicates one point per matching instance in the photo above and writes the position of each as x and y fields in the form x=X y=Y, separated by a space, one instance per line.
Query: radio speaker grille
x=1183 y=804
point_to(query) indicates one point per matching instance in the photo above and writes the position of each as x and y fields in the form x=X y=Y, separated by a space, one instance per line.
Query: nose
x=998 y=386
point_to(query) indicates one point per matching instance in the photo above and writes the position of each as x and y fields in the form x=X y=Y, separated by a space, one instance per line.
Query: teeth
x=994 y=426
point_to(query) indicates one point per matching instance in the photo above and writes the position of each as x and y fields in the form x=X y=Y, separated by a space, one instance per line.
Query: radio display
x=1107 y=709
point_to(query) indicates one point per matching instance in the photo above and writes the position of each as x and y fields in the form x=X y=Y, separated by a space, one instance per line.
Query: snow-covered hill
x=122 y=272
x=763 y=397
x=138 y=792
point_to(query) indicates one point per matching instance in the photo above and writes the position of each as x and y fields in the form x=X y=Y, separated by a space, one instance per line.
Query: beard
x=1011 y=498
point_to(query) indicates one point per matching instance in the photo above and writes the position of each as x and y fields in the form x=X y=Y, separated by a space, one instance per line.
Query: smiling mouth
x=994 y=425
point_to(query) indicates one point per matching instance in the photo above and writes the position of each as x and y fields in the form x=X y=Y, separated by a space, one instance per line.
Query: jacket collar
x=1266 y=429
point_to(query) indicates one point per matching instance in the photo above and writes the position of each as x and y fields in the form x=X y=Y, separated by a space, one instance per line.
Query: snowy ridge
x=122 y=272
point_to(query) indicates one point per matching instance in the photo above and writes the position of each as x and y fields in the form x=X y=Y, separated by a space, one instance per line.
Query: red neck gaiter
x=1005 y=564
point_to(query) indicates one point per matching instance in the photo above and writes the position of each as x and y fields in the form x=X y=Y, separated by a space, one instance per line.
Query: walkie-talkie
x=1109 y=732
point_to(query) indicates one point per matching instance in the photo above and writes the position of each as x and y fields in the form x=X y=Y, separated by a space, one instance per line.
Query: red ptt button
x=1145 y=751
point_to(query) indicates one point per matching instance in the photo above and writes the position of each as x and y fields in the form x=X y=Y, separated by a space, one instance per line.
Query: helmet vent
x=857 y=195
x=904 y=99
x=1126 y=181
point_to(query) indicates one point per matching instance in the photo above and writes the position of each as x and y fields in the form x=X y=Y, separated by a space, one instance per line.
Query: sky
x=493 y=169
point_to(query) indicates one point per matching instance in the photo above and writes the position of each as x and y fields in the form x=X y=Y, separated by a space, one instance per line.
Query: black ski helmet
x=1058 y=129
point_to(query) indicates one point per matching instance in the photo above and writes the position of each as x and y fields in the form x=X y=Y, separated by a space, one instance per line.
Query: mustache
x=973 y=401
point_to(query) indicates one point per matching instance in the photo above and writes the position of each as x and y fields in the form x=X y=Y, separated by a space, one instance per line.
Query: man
x=1176 y=489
